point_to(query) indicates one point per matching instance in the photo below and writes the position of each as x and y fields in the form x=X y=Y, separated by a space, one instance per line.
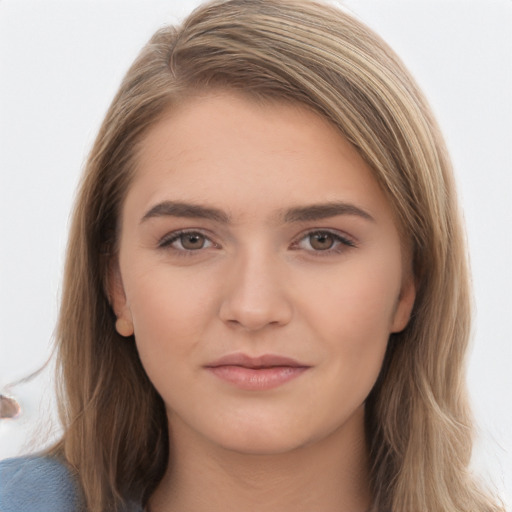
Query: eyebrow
x=296 y=214
x=188 y=210
x=323 y=211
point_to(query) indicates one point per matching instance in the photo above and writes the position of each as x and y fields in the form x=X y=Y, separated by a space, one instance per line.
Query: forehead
x=248 y=157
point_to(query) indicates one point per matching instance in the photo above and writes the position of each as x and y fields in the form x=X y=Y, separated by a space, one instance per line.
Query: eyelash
x=167 y=241
x=341 y=242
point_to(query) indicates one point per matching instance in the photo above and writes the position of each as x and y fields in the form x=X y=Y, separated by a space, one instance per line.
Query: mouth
x=260 y=373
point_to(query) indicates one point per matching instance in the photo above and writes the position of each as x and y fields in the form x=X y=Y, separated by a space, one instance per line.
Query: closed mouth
x=259 y=373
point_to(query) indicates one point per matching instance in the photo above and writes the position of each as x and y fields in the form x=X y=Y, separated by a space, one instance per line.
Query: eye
x=192 y=241
x=323 y=241
x=186 y=241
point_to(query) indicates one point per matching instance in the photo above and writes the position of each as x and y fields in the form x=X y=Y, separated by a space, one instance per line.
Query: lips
x=263 y=361
x=256 y=373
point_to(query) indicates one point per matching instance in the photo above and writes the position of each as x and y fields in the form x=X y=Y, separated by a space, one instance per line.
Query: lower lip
x=255 y=379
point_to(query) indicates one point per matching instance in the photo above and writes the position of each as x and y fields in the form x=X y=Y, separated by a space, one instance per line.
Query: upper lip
x=263 y=361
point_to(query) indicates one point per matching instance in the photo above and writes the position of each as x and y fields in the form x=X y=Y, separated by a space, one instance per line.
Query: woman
x=266 y=297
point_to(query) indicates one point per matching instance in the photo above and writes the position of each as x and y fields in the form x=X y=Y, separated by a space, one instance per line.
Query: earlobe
x=117 y=299
x=124 y=327
x=404 y=306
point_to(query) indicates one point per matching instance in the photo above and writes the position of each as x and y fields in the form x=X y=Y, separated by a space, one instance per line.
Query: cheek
x=351 y=314
x=358 y=300
x=170 y=312
x=349 y=319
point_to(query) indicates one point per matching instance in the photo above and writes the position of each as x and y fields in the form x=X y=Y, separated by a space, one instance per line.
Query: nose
x=255 y=295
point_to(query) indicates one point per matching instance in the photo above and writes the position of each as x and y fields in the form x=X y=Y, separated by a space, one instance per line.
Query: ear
x=117 y=299
x=403 y=309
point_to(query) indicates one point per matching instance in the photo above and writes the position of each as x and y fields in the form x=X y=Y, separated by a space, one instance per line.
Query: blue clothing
x=40 y=484
x=37 y=484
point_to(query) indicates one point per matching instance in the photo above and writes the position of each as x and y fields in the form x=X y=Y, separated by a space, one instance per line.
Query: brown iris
x=321 y=241
x=191 y=241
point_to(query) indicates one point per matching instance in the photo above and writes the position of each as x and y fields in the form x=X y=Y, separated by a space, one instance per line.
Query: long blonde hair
x=418 y=423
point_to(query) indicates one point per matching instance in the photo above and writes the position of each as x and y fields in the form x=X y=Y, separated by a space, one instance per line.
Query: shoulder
x=37 y=483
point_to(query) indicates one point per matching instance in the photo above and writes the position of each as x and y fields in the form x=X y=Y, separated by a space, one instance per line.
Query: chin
x=269 y=437
x=258 y=444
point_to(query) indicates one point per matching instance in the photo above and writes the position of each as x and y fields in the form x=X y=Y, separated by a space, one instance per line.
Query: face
x=261 y=271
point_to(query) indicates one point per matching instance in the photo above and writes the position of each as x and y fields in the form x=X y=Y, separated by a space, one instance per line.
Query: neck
x=330 y=475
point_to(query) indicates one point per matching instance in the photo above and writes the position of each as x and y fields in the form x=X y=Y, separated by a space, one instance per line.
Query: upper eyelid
x=335 y=232
x=178 y=232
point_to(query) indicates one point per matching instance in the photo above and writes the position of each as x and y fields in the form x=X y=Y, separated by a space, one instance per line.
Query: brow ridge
x=187 y=210
x=324 y=211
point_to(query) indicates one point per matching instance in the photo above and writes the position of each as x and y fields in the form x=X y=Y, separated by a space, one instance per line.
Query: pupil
x=322 y=241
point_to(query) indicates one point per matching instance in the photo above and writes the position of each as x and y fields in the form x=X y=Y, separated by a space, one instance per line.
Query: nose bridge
x=255 y=294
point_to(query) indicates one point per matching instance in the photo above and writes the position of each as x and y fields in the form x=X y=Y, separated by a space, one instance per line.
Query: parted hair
x=417 y=418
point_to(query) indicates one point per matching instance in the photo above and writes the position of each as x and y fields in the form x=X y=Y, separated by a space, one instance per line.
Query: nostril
x=254 y=321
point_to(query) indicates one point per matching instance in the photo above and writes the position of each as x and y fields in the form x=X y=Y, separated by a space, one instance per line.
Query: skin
x=259 y=284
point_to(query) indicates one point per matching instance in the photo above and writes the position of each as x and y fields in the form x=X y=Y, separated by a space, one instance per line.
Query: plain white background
x=60 y=65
